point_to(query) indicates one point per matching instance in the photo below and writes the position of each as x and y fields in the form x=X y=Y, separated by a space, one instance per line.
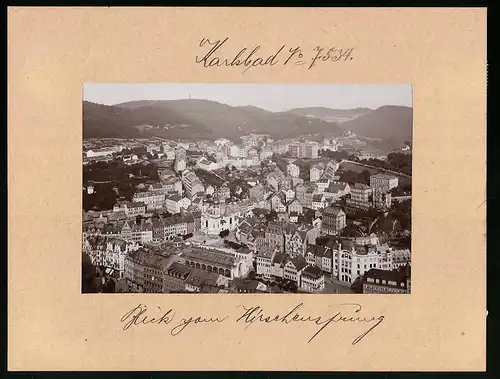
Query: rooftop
x=209 y=256
x=179 y=270
x=332 y=211
x=201 y=277
x=382 y=175
x=312 y=272
x=396 y=276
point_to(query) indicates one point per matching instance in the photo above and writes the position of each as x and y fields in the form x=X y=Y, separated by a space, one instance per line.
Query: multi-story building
x=204 y=281
x=322 y=184
x=131 y=209
x=180 y=164
x=300 y=190
x=377 y=281
x=289 y=195
x=353 y=262
x=191 y=184
x=293 y=170
x=294 y=268
x=172 y=185
x=263 y=258
x=321 y=256
x=144 y=270
x=361 y=197
x=296 y=244
x=175 y=277
x=318 y=202
x=330 y=171
x=278 y=202
x=142 y=232
x=334 y=220
x=100 y=152
x=401 y=258
x=274 y=236
x=158 y=229
x=312 y=279
x=204 y=164
x=110 y=253
x=152 y=199
x=225 y=264
x=336 y=190
x=174 y=226
x=383 y=182
x=294 y=206
x=315 y=172
x=381 y=199
x=303 y=150
x=175 y=203
x=308 y=197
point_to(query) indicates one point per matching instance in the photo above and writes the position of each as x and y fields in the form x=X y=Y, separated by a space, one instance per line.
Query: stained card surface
x=197 y=189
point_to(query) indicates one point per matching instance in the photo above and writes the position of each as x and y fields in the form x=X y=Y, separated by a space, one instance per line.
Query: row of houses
x=342 y=258
x=273 y=264
x=153 y=229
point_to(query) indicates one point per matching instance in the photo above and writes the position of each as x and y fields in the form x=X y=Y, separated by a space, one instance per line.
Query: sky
x=272 y=97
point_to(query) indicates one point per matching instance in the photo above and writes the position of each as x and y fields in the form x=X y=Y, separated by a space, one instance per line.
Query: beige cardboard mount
x=53 y=51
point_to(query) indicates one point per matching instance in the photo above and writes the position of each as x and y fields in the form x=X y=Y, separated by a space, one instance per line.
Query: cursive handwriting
x=256 y=314
x=245 y=58
x=136 y=316
x=349 y=313
x=251 y=57
x=193 y=321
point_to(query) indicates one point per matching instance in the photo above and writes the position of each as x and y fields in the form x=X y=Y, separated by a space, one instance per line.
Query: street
x=334 y=286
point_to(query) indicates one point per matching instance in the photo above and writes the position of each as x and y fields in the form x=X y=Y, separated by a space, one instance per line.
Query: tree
x=224 y=233
x=366 y=176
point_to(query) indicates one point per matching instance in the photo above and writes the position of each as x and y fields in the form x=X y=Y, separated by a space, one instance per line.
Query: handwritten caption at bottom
x=346 y=314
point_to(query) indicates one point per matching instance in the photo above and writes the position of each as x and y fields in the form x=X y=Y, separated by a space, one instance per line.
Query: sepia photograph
x=234 y=188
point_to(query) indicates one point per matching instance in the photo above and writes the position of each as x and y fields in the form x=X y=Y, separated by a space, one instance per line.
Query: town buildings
x=175 y=203
x=303 y=150
x=334 y=220
x=312 y=279
x=192 y=184
x=152 y=199
x=383 y=182
x=283 y=230
x=376 y=281
x=361 y=197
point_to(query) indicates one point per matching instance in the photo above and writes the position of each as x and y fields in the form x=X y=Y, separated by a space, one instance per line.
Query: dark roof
x=280 y=258
x=200 y=277
x=299 y=262
x=179 y=270
x=332 y=211
x=313 y=272
x=245 y=284
x=396 y=276
x=317 y=198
